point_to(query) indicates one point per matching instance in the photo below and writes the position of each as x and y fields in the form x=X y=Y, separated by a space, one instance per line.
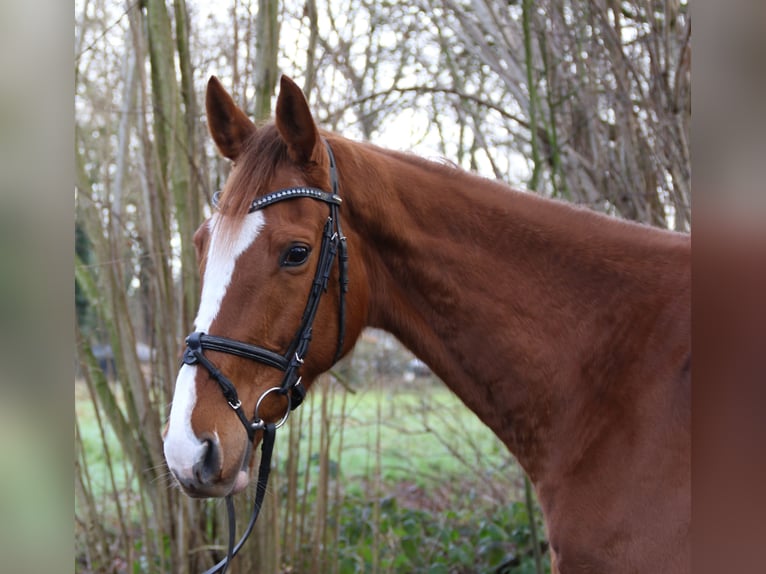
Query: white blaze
x=221 y=257
x=182 y=447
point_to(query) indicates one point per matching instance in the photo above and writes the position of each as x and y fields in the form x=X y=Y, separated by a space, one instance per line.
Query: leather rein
x=333 y=245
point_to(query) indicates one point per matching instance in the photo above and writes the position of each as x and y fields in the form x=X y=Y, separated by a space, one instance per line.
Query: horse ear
x=295 y=123
x=229 y=126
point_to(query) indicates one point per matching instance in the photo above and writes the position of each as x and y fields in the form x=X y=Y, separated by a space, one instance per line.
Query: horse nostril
x=207 y=468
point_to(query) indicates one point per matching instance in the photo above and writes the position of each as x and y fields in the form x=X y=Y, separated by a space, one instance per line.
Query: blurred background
x=382 y=470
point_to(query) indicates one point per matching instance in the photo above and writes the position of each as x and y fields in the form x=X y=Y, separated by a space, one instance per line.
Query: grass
x=419 y=483
x=421 y=433
x=93 y=443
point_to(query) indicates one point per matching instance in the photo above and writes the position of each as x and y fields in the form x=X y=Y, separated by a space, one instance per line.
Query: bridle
x=290 y=362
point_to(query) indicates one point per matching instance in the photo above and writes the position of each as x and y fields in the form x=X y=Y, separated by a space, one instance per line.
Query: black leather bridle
x=290 y=362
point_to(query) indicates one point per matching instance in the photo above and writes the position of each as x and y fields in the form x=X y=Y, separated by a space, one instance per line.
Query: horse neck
x=519 y=304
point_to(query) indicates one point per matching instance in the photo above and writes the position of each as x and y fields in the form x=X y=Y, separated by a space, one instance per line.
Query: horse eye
x=295 y=255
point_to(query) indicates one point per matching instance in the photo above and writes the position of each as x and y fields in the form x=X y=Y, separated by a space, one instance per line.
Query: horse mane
x=439 y=164
x=265 y=152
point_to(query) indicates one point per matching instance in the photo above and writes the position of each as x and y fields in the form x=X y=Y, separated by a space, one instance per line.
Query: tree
x=137 y=193
x=603 y=89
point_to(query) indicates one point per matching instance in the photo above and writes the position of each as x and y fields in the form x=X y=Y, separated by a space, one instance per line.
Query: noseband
x=290 y=362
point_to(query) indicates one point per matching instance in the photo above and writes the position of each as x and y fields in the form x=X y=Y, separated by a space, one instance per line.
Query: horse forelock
x=250 y=178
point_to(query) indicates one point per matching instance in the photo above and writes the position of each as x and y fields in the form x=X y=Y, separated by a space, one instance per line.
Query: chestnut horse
x=566 y=331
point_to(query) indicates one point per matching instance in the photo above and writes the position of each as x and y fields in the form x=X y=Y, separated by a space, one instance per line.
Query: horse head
x=265 y=272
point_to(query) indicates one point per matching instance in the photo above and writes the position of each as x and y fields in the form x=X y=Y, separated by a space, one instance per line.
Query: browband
x=288 y=193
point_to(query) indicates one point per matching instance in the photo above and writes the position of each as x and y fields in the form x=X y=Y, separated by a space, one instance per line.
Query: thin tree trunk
x=527 y=7
x=266 y=52
x=311 y=12
x=188 y=194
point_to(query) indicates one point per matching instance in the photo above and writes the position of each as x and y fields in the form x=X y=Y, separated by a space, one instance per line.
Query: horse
x=565 y=330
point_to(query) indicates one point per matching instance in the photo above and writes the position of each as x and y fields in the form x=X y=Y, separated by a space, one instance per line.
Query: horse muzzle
x=205 y=476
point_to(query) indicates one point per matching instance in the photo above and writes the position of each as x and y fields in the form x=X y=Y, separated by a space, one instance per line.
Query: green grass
x=425 y=433
x=98 y=450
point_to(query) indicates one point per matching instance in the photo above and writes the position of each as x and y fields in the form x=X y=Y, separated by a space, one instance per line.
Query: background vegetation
x=585 y=101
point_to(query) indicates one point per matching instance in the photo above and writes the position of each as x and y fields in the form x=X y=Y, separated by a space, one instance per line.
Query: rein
x=333 y=245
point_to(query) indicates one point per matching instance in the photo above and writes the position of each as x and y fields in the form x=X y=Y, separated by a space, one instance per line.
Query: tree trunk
x=266 y=52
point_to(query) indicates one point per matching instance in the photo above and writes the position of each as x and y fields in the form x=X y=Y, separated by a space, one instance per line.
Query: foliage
x=414 y=540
